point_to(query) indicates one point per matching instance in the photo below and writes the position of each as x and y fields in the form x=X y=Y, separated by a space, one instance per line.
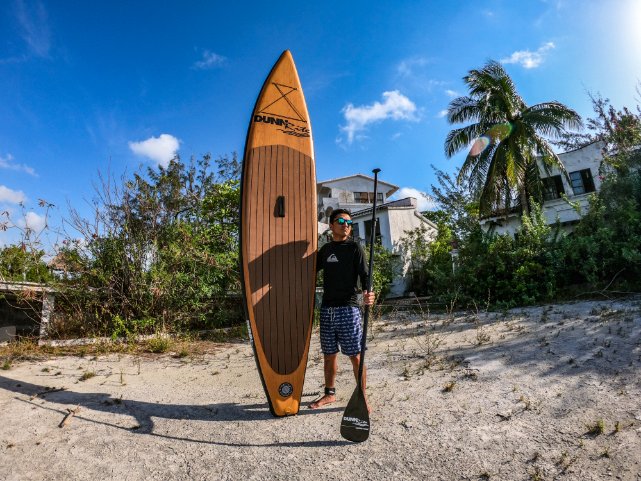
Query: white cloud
x=395 y=106
x=33 y=221
x=6 y=163
x=159 y=149
x=529 y=59
x=209 y=60
x=11 y=196
x=452 y=93
x=442 y=114
x=425 y=202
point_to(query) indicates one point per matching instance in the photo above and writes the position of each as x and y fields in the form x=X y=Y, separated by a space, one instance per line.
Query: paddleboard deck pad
x=278 y=235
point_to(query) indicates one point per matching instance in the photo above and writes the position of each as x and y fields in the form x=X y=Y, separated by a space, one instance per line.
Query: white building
x=582 y=166
x=354 y=192
x=394 y=218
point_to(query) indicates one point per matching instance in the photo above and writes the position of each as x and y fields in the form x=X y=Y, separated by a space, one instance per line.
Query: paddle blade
x=355 y=422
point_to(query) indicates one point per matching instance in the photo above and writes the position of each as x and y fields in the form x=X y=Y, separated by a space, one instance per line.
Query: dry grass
x=27 y=349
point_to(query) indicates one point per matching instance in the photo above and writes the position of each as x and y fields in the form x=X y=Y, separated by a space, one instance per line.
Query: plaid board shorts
x=341 y=326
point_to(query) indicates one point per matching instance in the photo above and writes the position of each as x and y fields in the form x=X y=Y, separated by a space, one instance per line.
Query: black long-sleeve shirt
x=343 y=263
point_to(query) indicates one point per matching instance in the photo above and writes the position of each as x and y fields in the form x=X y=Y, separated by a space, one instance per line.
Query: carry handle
x=280 y=206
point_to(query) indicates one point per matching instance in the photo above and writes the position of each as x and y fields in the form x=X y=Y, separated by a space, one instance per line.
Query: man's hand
x=368 y=298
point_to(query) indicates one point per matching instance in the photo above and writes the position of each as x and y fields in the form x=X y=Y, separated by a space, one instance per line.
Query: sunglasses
x=342 y=221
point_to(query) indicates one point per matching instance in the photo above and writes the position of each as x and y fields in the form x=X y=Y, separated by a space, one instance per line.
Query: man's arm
x=320 y=256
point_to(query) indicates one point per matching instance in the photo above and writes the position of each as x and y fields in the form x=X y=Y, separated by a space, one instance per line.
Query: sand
x=549 y=392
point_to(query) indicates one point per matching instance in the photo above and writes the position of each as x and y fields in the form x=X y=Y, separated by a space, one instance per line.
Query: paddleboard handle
x=280 y=206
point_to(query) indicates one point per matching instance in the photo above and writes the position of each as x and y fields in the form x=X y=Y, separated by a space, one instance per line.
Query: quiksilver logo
x=332 y=258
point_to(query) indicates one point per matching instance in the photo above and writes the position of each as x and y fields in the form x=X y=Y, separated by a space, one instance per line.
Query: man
x=343 y=263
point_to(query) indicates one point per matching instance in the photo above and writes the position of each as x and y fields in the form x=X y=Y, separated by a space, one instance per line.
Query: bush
x=605 y=245
x=159 y=255
x=490 y=269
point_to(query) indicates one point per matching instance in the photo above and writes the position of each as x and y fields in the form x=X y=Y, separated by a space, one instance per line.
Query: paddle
x=355 y=423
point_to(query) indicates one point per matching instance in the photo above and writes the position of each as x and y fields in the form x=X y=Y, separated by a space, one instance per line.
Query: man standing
x=343 y=264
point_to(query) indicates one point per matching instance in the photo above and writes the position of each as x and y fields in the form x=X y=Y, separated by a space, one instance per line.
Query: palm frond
x=463 y=109
x=551 y=119
x=459 y=139
x=506 y=172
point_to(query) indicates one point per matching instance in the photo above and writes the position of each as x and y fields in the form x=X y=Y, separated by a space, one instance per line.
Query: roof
x=21 y=286
x=582 y=147
x=408 y=202
x=393 y=189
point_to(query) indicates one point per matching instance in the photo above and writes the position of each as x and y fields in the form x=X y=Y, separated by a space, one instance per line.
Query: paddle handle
x=369 y=279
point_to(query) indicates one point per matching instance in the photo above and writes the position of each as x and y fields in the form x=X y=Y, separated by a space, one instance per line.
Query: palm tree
x=510 y=137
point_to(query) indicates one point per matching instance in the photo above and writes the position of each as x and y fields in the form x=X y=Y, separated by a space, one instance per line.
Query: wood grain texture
x=278 y=252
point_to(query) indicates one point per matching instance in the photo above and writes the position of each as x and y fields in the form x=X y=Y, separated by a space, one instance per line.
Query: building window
x=367 y=197
x=355 y=231
x=361 y=197
x=368 y=231
x=582 y=182
x=553 y=187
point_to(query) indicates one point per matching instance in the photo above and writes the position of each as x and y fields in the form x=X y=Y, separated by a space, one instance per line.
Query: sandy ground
x=517 y=395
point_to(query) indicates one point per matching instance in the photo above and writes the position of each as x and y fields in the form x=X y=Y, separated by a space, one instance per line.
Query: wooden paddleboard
x=279 y=235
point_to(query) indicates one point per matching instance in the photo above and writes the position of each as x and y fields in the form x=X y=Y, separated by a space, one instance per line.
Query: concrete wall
x=25 y=309
x=402 y=221
x=394 y=223
x=18 y=318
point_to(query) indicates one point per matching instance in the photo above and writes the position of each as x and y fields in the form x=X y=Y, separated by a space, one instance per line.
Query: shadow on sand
x=143 y=412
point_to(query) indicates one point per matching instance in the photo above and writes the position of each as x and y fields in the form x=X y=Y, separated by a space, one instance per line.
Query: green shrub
x=159 y=344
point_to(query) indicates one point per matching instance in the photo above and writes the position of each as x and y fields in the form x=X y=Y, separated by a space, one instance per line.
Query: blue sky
x=110 y=86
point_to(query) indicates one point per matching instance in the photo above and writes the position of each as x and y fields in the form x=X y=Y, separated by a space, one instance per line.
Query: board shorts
x=341 y=326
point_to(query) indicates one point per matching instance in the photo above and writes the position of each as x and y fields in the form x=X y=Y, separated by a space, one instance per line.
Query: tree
x=619 y=130
x=510 y=137
x=605 y=244
x=23 y=263
x=160 y=253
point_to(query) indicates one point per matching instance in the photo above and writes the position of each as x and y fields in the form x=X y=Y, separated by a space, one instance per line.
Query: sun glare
x=630 y=18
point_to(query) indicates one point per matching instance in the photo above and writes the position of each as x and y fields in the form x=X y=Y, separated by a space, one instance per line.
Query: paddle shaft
x=370 y=276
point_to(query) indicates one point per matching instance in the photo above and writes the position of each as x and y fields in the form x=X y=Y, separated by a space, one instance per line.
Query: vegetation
x=469 y=266
x=511 y=137
x=160 y=252
x=20 y=263
x=386 y=268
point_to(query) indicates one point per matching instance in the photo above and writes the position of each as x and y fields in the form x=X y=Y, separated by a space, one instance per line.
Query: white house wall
x=403 y=221
x=395 y=223
x=342 y=193
x=356 y=184
x=383 y=220
x=588 y=157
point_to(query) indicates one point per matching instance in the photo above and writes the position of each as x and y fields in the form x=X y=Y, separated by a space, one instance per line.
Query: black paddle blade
x=355 y=422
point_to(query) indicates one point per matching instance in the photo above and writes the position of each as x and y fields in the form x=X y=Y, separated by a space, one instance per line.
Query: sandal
x=329 y=391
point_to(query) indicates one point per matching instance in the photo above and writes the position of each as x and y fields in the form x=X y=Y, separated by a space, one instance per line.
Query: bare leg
x=330 y=368
x=355 y=361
